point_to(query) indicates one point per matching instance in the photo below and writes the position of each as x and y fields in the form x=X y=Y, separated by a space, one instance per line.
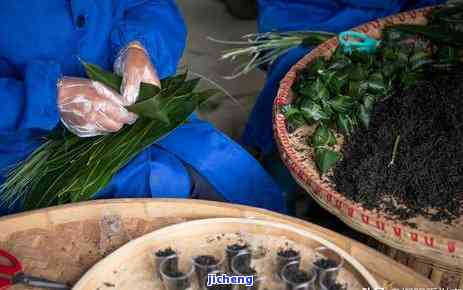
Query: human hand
x=89 y=108
x=135 y=67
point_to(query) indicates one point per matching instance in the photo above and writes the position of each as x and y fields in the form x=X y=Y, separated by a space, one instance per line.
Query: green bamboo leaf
x=312 y=111
x=354 y=89
x=96 y=73
x=147 y=91
x=390 y=69
x=74 y=169
x=317 y=91
x=434 y=33
x=357 y=73
x=446 y=12
x=150 y=108
x=294 y=117
x=364 y=116
x=113 y=81
x=326 y=159
x=323 y=136
x=376 y=82
x=369 y=102
x=342 y=103
x=345 y=123
x=316 y=66
x=389 y=54
x=188 y=86
x=340 y=64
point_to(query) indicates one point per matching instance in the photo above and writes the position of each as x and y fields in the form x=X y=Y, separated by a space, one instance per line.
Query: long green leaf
x=68 y=168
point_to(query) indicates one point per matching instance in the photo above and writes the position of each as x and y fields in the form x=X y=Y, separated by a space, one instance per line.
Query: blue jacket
x=42 y=40
x=324 y=15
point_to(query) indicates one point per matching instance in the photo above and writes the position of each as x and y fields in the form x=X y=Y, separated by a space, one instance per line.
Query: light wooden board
x=63 y=242
x=132 y=264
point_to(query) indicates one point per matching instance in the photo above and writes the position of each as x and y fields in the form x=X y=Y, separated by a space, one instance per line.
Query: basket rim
x=172 y=231
x=387 y=230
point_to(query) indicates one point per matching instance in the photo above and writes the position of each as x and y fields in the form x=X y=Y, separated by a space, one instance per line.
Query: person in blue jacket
x=42 y=83
x=292 y=15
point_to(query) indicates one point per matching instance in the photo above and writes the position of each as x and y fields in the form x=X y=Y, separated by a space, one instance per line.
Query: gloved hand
x=89 y=108
x=135 y=67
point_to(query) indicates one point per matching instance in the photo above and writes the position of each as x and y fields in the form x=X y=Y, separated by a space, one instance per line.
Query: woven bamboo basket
x=437 y=245
x=62 y=243
x=132 y=265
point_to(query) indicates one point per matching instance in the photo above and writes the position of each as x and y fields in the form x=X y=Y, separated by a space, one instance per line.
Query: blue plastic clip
x=358 y=41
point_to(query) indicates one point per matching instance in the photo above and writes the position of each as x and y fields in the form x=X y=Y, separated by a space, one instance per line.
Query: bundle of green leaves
x=264 y=48
x=67 y=168
x=338 y=94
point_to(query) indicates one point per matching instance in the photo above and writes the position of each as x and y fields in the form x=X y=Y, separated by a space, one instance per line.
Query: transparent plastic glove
x=89 y=108
x=135 y=67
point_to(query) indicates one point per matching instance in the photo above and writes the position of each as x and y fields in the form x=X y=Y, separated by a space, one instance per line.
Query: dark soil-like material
x=426 y=177
x=165 y=253
x=325 y=263
x=233 y=250
x=176 y=274
x=288 y=253
x=297 y=276
x=237 y=247
x=285 y=256
x=219 y=287
x=206 y=260
x=171 y=265
x=337 y=286
x=181 y=284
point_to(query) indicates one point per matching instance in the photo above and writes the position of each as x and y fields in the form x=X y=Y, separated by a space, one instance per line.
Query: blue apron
x=42 y=40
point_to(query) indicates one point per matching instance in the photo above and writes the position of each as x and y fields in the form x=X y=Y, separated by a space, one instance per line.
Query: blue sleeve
x=159 y=26
x=29 y=103
x=390 y=5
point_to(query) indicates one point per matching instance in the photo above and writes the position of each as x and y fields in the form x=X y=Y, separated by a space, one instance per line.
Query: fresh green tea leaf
x=294 y=117
x=364 y=116
x=342 y=103
x=436 y=33
x=326 y=159
x=345 y=123
x=357 y=73
x=323 y=136
x=312 y=111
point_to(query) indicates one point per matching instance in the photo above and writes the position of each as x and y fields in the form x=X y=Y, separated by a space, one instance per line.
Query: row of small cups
x=182 y=278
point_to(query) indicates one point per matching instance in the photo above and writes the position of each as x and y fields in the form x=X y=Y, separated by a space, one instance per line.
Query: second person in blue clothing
x=43 y=83
x=316 y=15
x=293 y=15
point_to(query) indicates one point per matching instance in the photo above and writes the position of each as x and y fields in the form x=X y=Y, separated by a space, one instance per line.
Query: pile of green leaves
x=67 y=168
x=338 y=94
x=444 y=30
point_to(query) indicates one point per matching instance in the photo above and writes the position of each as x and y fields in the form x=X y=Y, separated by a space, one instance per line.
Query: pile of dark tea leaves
x=337 y=286
x=337 y=95
x=165 y=252
x=298 y=276
x=398 y=112
x=409 y=161
x=325 y=263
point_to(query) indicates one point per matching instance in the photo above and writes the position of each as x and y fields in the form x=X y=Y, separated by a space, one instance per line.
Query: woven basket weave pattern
x=441 y=249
